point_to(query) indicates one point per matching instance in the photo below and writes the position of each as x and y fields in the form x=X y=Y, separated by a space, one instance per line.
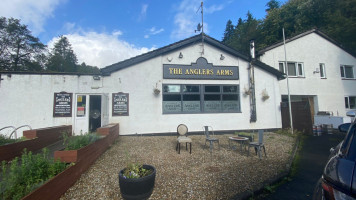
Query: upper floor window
x=347 y=71
x=295 y=69
x=350 y=102
x=322 y=70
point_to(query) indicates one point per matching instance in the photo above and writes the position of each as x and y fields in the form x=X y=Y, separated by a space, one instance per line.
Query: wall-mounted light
x=180 y=55
x=96 y=78
x=222 y=57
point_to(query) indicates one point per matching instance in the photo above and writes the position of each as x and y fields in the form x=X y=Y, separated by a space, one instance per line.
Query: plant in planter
x=79 y=141
x=137 y=181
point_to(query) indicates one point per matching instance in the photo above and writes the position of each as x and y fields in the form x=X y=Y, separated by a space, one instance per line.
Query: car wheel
x=317 y=194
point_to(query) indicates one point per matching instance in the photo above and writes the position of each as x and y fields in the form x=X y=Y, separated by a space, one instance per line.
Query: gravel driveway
x=201 y=175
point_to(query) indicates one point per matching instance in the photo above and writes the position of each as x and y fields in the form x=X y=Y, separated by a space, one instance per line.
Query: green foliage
x=79 y=141
x=19 y=50
x=27 y=173
x=135 y=170
x=335 y=18
x=4 y=140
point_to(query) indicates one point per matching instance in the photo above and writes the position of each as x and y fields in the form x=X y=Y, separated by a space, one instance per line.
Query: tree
x=62 y=57
x=18 y=48
x=244 y=31
x=229 y=31
x=272 y=4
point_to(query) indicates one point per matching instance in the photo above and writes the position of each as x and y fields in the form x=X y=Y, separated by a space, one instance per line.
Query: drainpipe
x=251 y=79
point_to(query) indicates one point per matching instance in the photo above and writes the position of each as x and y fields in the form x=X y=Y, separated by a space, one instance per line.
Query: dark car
x=339 y=177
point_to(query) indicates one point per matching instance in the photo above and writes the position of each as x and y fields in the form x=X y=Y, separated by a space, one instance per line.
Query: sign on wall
x=120 y=104
x=62 y=105
x=200 y=70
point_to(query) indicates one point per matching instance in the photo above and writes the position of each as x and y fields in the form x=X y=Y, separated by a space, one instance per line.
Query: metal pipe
x=286 y=66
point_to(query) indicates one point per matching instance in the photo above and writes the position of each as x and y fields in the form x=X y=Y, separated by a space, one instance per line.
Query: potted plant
x=137 y=181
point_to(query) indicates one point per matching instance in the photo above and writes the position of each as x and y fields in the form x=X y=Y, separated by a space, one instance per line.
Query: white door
x=104 y=109
x=81 y=119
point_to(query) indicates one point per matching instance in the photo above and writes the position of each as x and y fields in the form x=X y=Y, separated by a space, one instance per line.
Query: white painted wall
x=28 y=99
x=311 y=50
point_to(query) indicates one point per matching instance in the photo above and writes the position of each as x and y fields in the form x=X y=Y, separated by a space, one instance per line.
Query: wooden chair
x=182 y=131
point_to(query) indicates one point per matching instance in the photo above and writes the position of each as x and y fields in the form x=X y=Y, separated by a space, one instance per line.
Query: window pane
x=281 y=67
x=212 y=88
x=191 y=103
x=291 y=69
x=322 y=70
x=212 y=106
x=171 y=88
x=300 y=69
x=81 y=104
x=190 y=88
x=230 y=97
x=352 y=101
x=349 y=72
x=212 y=97
x=342 y=71
x=172 y=106
x=230 y=89
x=175 y=97
x=346 y=102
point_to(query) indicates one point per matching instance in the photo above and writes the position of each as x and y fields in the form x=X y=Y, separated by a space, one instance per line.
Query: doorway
x=91 y=112
x=94 y=112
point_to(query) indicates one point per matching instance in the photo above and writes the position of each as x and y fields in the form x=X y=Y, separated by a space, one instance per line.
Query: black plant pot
x=137 y=188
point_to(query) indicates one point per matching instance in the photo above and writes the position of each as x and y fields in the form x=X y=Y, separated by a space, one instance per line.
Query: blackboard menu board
x=120 y=104
x=62 y=105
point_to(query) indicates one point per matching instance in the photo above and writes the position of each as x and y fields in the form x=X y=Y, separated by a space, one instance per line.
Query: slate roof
x=321 y=34
x=184 y=43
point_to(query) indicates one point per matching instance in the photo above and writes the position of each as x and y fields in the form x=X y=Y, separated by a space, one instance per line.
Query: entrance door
x=94 y=112
x=81 y=125
x=88 y=112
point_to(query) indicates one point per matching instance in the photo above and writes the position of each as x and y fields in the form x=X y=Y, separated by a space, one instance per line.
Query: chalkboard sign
x=62 y=106
x=120 y=104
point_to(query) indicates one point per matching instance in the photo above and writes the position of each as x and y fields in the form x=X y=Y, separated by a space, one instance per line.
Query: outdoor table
x=242 y=140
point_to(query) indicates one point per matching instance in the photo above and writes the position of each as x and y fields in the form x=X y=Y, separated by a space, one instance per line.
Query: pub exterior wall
x=29 y=97
x=311 y=50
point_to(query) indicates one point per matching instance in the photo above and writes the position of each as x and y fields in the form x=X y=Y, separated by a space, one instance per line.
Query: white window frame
x=347 y=102
x=299 y=71
x=322 y=70
x=343 y=72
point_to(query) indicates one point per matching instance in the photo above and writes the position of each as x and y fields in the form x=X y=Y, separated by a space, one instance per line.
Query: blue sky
x=108 y=31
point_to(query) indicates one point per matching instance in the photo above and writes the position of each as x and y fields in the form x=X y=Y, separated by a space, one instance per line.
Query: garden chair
x=210 y=139
x=182 y=131
x=258 y=145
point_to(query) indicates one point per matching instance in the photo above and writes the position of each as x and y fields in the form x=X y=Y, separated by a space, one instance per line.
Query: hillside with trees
x=334 y=17
x=20 y=51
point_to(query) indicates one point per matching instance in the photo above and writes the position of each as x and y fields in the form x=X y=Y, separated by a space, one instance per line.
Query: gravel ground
x=201 y=175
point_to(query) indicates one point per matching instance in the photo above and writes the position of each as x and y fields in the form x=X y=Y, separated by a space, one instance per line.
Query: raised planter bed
x=38 y=138
x=86 y=156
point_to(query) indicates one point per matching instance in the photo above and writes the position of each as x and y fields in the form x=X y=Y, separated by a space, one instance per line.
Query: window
x=347 y=71
x=350 y=102
x=200 y=99
x=322 y=70
x=295 y=69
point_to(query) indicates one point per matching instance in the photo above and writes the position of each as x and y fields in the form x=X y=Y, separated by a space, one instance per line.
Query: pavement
x=313 y=157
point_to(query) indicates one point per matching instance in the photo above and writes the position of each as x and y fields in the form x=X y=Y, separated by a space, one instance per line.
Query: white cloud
x=187 y=18
x=153 y=31
x=143 y=12
x=101 y=49
x=32 y=13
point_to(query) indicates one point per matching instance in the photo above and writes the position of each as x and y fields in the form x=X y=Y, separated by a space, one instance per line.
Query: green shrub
x=79 y=141
x=25 y=174
x=4 y=140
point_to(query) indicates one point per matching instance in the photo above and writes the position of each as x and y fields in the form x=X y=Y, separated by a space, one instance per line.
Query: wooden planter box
x=38 y=139
x=86 y=156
